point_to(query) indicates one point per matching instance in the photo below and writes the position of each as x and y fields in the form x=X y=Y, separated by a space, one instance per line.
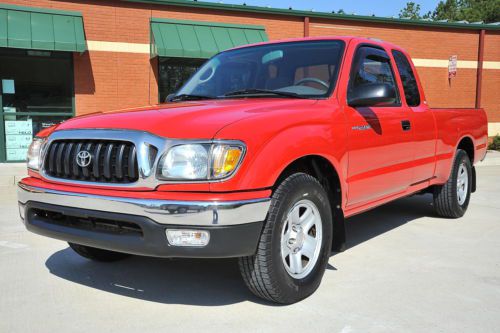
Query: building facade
x=64 y=58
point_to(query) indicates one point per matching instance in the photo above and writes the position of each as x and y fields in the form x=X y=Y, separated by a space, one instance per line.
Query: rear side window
x=407 y=78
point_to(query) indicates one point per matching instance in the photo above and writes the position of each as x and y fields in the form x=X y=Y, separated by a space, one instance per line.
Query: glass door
x=36 y=93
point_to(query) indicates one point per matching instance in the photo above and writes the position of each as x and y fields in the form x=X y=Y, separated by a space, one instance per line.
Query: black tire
x=264 y=273
x=446 y=199
x=97 y=254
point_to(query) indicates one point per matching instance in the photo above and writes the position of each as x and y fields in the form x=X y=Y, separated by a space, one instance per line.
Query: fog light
x=184 y=237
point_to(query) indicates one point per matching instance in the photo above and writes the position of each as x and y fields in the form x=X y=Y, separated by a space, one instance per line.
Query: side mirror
x=169 y=98
x=372 y=94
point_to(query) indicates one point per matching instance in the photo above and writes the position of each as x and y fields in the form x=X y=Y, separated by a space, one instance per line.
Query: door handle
x=406 y=125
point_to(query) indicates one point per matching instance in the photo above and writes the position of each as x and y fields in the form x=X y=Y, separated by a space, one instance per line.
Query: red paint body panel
x=374 y=166
x=186 y=120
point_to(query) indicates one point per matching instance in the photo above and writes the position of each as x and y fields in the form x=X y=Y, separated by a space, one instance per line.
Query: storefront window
x=173 y=72
x=36 y=91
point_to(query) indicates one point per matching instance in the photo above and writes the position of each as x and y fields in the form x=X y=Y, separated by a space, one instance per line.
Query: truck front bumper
x=138 y=226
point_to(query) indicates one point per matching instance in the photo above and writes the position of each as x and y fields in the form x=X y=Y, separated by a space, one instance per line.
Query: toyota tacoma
x=261 y=155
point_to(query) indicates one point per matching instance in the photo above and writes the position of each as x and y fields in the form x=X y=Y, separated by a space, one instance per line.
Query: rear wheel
x=452 y=199
x=294 y=246
x=97 y=254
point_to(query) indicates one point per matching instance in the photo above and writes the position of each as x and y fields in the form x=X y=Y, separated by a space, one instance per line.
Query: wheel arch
x=325 y=172
x=467 y=144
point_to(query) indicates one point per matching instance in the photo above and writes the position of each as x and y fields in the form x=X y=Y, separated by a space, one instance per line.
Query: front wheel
x=452 y=199
x=295 y=244
x=97 y=254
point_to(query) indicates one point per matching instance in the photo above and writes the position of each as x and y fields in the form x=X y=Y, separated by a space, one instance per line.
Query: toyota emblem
x=83 y=158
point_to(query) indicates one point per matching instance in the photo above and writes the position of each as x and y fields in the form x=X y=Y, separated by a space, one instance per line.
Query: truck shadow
x=366 y=226
x=212 y=282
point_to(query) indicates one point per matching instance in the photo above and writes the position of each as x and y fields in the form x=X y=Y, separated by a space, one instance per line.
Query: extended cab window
x=372 y=65
x=407 y=78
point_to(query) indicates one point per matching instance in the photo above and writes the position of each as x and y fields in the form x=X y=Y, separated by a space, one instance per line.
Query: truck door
x=379 y=136
x=423 y=124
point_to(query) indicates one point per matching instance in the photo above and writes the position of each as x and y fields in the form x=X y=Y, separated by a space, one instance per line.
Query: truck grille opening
x=88 y=223
x=100 y=161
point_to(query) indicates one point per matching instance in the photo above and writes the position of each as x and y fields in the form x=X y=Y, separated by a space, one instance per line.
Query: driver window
x=372 y=66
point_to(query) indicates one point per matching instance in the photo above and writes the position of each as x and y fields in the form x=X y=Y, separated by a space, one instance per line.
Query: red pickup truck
x=261 y=155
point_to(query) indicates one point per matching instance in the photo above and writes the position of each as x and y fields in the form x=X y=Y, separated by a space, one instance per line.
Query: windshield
x=297 y=69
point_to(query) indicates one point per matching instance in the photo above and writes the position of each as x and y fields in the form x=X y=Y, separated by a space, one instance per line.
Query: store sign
x=18 y=136
x=452 y=67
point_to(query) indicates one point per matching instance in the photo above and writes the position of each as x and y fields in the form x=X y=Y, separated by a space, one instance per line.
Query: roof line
x=325 y=15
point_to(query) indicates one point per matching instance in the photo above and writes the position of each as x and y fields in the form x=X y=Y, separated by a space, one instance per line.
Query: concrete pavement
x=404 y=271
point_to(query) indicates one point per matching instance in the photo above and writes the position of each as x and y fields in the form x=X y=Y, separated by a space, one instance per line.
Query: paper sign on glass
x=19 y=127
x=8 y=87
x=16 y=154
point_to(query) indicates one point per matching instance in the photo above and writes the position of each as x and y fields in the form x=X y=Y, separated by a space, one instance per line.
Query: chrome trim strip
x=168 y=212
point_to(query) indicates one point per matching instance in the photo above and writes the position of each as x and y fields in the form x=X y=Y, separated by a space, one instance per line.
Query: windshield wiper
x=262 y=92
x=189 y=97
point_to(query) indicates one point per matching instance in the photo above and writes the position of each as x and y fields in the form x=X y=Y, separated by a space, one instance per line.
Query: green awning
x=189 y=39
x=41 y=29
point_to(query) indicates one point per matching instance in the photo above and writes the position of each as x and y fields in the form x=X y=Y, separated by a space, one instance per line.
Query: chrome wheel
x=462 y=184
x=301 y=239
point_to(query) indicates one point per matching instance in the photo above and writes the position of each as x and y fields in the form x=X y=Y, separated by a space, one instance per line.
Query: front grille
x=88 y=223
x=108 y=161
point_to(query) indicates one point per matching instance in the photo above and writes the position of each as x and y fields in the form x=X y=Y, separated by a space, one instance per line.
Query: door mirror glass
x=372 y=94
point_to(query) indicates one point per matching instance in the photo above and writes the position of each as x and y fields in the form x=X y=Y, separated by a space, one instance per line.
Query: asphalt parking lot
x=404 y=271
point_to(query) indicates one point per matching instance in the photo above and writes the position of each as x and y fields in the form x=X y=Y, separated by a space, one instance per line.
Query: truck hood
x=187 y=120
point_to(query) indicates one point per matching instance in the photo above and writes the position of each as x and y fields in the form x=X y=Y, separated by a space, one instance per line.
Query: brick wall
x=115 y=80
x=490 y=98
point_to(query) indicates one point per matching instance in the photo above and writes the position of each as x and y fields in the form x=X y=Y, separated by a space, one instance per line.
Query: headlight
x=34 y=153
x=200 y=161
x=185 y=162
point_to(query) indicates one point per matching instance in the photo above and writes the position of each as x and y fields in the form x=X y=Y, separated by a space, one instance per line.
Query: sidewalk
x=11 y=173
x=492 y=158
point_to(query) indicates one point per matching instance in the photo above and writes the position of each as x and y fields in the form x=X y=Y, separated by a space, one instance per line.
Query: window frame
x=380 y=52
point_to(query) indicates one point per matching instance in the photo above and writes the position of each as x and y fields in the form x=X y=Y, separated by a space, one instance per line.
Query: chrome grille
x=109 y=161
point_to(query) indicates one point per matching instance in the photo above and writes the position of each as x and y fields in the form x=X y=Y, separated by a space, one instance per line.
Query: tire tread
x=256 y=270
x=445 y=201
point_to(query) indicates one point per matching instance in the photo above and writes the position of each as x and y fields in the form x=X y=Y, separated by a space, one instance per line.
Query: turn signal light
x=225 y=160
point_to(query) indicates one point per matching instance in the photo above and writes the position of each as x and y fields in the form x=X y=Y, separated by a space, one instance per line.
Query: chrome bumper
x=167 y=212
